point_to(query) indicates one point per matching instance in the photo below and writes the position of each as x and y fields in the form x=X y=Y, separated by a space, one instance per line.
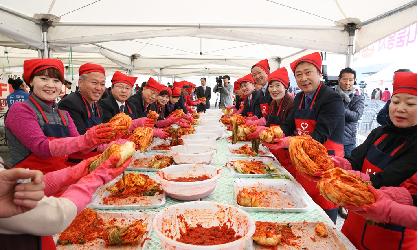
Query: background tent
x=184 y=37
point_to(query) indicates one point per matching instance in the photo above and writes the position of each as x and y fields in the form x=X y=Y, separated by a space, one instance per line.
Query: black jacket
x=207 y=94
x=110 y=108
x=329 y=116
x=73 y=103
x=137 y=103
x=266 y=98
x=254 y=106
x=404 y=163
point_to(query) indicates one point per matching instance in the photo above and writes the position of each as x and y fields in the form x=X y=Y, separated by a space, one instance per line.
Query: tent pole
x=351 y=29
x=45 y=24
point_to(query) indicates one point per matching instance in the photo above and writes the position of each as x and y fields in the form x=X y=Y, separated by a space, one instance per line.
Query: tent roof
x=176 y=37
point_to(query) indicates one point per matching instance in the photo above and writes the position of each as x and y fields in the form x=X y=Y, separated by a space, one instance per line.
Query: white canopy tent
x=184 y=37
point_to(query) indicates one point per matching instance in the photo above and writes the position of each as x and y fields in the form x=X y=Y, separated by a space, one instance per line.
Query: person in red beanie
x=116 y=102
x=388 y=159
x=250 y=97
x=260 y=72
x=144 y=100
x=177 y=100
x=40 y=135
x=281 y=104
x=83 y=104
x=318 y=111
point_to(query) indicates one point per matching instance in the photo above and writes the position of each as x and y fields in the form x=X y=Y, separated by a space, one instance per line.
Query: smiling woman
x=40 y=135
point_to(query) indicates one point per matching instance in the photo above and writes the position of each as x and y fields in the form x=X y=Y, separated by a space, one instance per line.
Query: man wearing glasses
x=120 y=92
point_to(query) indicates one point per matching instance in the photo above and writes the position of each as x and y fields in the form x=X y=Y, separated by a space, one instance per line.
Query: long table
x=224 y=194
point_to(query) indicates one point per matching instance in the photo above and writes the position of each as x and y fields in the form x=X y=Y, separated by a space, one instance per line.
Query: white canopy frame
x=47 y=34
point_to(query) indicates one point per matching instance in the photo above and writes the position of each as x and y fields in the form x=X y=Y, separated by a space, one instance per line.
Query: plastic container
x=195 y=140
x=219 y=131
x=188 y=191
x=167 y=225
x=202 y=136
x=192 y=153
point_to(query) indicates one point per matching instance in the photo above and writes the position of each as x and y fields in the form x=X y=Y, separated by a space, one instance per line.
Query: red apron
x=366 y=235
x=305 y=124
x=52 y=131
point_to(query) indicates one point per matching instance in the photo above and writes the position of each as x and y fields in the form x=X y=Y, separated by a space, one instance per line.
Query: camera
x=219 y=82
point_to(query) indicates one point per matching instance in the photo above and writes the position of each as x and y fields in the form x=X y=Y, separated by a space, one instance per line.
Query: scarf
x=346 y=95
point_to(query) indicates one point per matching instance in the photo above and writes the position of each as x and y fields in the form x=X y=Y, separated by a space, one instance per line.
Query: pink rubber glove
x=142 y=122
x=184 y=123
x=59 y=180
x=258 y=122
x=250 y=118
x=96 y=135
x=256 y=133
x=400 y=195
x=188 y=117
x=386 y=210
x=157 y=132
x=341 y=162
x=166 y=122
x=81 y=192
x=102 y=147
x=363 y=176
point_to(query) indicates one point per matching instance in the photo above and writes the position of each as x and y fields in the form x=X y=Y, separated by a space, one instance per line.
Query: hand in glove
x=256 y=133
x=167 y=122
x=99 y=134
x=142 y=122
x=363 y=176
x=81 y=192
x=341 y=162
x=96 y=135
x=157 y=132
x=183 y=123
x=251 y=118
x=278 y=143
x=59 y=180
x=386 y=210
x=258 y=122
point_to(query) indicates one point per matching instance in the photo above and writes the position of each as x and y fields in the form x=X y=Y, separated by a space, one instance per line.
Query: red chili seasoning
x=208 y=236
x=191 y=179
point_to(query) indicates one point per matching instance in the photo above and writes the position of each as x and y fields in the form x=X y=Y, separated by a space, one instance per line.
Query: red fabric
x=153 y=84
x=48 y=243
x=314 y=58
x=89 y=68
x=178 y=84
x=176 y=92
x=246 y=78
x=236 y=86
x=405 y=82
x=33 y=66
x=120 y=77
x=280 y=75
x=365 y=235
x=43 y=164
x=264 y=65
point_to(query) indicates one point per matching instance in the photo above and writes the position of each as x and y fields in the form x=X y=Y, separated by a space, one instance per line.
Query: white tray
x=127 y=217
x=263 y=151
x=284 y=186
x=266 y=160
x=143 y=202
x=139 y=155
x=306 y=230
